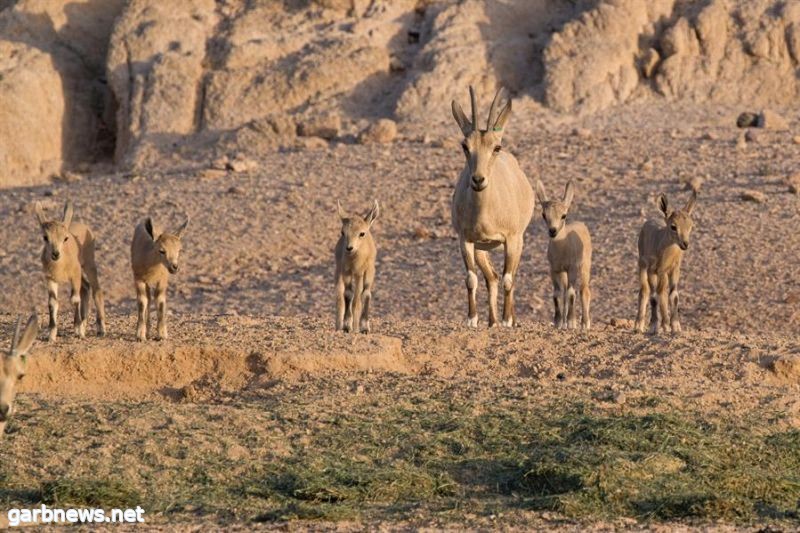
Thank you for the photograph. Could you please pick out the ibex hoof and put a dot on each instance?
(52, 336)
(586, 326)
(472, 322)
(346, 328)
(676, 327)
(508, 323)
(639, 327)
(365, 327)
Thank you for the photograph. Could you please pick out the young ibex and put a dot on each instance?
(154, 256)
(355, 270)
(13, 368)
(68, 257)
(570, 257)
(661, 247)
(492, 205)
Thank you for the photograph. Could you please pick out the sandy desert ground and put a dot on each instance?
(254, 385)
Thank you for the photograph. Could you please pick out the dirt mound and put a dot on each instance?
(213, 356)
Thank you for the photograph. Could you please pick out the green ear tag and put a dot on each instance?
(497, 129)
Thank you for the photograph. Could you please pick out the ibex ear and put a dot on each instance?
(28, 336)
(148, 227)
(569, 193)
(502, 118)
(690, 204)
(663, 205)
(540, 192)
(68, 213)
(340, 211)
(373, 213)
(37, 208)
(182, 228)
(461, 119)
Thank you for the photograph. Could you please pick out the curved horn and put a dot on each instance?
(493, 110)
(474, 101)
(15, 339)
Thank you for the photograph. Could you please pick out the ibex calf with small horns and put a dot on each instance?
(355, 270)
(68, 257)
(12, 368)
(570, 255)
(493, 203)
(154, 256)
(661, 247)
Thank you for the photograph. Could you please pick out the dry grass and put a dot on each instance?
(402, 451)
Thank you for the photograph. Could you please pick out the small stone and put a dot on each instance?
(312, 143)
(771, 120)
(242, 164)
(68, 177)
(235, 190)
(582, 133)
(710, 136)
(326, 126)
(421, 232)
(212, 174)
(561, 376)
(753, 196)
(747, 120)
(220, 163)
(792, 298)
(753, 136)
(647, 165)
(796, 139)
(694, 184)
(383, 131)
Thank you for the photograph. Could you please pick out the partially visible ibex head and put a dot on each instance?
(54, 232)
(679, 222)
(13, 365)
(482, 146)
(555, 212)
(356, 227)
(167, 243)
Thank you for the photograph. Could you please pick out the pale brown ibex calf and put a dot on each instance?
(570, 255)
(661, 247)
(355, 270)
(68, 257)
(154, 256)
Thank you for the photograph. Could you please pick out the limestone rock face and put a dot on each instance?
(52, 87)
(155, 69)
(154, 82)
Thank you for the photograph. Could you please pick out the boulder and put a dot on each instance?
(52, 95)
(383, 131)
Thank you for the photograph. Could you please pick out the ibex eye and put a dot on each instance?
(361, 234)
(162, 252)
(563, 217)
(497, 149)
(674, 227)
(465, 147)
(66, 239)
(45, 238)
